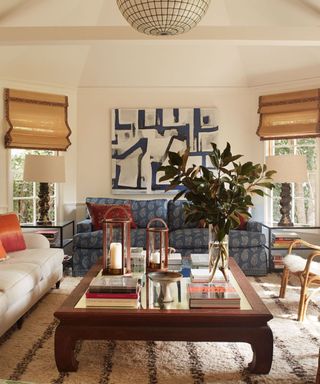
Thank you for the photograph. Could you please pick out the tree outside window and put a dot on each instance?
(304, 196)
(25, 194)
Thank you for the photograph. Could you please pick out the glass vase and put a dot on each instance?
(218, 254)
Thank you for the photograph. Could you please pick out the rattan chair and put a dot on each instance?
(307, 270)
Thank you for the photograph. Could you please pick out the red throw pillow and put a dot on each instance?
(243, 222)
(3, 253)
(10, 233)
(100, 212)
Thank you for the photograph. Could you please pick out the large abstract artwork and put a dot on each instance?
(142, 138)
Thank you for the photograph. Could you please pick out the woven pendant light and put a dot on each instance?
(163, 17)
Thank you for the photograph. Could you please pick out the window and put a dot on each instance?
(304, 197)
(25, 194)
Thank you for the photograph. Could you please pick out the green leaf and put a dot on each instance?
(258, 192)
(175, 159)
(179, 194)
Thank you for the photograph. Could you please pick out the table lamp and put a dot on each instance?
(45, 170)
(290, 169)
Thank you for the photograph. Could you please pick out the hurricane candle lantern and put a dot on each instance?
(116, 246)
(157, 245)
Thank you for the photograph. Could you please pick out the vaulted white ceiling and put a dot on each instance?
(87, 43)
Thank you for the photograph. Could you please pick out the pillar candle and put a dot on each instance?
(115, 255)
(155, 257)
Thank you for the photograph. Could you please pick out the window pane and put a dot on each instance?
(22, 189)
(276, 210)
(24, 208)
(283, 150)
(309, 141)
(310, 153)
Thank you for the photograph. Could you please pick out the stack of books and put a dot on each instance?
(200, 260)
(138, 260)
(202, 275)
(113, 291)
(221, 295)
(174, 261)
(51, 235)
(278, 261)
(283, 239)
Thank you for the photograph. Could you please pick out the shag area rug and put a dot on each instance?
(28, 354)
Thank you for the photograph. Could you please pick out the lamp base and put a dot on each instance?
(44, 204)
(285, 204)
(41, 222)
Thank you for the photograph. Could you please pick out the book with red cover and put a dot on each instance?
(213, 295)
(96, 295)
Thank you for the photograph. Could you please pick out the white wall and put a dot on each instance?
(67, 190)
(237, 118)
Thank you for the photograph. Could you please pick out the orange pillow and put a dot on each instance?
(100, 212)
(10, 233)
(3, 253)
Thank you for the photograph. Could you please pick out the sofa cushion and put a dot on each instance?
(142, 210)
(138, 237)
(100, 212)
(145, 210)
(246, 239)
(3, 253)
(189, 238)
(18, 278)
(3, 302)
(88, 240)
(176, 216)
(10, 233)
(105, 200)
(48, 260)
(93, 240)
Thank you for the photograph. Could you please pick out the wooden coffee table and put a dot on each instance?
(174, 323)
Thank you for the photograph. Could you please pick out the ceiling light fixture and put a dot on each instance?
(163, 17)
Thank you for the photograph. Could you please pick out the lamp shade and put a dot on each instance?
(44, 169)
(290, 168)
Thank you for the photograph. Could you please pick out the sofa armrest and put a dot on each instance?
(84, 226)
(35, 240)
(254, 226)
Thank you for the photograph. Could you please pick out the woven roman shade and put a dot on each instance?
(289, 115)
(36, 120)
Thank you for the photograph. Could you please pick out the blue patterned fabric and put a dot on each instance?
(246, 239)
(83, 259)
(176, 216)
(247, 247)
(253, 261)
(189, 238)
(84, 226)
(145, 210)
(254, 226)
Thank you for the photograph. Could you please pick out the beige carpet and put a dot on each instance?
(27, 354)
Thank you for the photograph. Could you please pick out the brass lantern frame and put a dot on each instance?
(108, 227)
(162, 234)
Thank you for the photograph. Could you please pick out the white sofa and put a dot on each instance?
(26, 276)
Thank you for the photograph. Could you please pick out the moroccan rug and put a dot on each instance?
(28, 354)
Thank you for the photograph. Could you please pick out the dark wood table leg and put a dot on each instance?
(262, 348)
(64, 346)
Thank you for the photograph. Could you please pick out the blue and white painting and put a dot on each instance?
(142, 138)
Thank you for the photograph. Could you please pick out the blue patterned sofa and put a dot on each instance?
(247, 247)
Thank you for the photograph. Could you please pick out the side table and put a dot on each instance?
(64, 232)
(269, 228)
